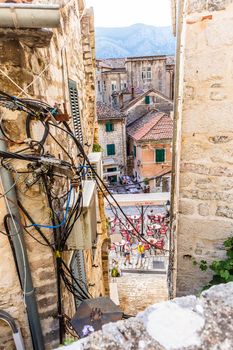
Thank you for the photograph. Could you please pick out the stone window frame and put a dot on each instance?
(146, 73)
(113, 85)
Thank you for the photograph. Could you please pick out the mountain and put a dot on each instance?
(136, 40)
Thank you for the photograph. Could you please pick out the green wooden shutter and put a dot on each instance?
(160, 155)
(109, 127)
(75, 110)
(147, 100)
(134, 151)
(77, 267)
(111, 149)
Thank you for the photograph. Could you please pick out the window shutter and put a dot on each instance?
(110, 150)
(109, 127)
(160, 155)
(134, 151)
(75, 110)
(77, 267)
(147, 100)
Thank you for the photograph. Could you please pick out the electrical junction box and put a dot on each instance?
(95, 158)
(84, 232)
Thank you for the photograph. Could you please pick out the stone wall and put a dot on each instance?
(43, 70)
(139, 290)
(158, 73)
(117, 137)
(188, 323)
(203, 183)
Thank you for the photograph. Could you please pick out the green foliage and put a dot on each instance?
(222, 269)
(96, 148)
(68, 341)
(146, 181)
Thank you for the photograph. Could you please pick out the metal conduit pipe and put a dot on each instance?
(29, 16)
(15, 330)
(21, 255)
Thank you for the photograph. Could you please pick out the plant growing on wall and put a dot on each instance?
(146, 181)
(96, 148)
(223, 269)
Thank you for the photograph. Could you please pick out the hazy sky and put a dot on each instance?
(119, 13)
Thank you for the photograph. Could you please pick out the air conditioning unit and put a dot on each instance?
(95, 159)
(84, 232)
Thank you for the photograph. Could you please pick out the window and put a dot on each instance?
(105, 88)
(160, 155)
(147, 100)
(99, 86)
(110, 170)
(114, 86)
(146, 73)
(74, 102)
(134, 151)
(109, 127)
(111, 149)
(123, 84)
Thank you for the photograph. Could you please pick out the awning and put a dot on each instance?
(109, 161)
(139, 199)
(112, 173)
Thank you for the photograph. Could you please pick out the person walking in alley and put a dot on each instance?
(140, 255)
(127, 251)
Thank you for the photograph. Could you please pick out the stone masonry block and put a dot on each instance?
(203, 209)
(186, 207)
(208, 229)
(225, 211)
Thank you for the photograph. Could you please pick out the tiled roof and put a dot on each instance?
(141, 97)
(105, 112)
(114, 62)
(152, 126)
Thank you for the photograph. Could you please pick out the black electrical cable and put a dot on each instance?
(7, 229)
(51, 245)
(79, 146)
(88, 295)
(28, 129)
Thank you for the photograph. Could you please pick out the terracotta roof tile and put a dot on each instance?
(152, 126)
(105, 112)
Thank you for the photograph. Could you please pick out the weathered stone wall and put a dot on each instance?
(204, 184)
(106, 79)
(188, 323)
(158, 71)
(70, 55)
(117, 137)
(139, 290)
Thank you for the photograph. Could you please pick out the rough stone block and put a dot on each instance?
(225, 211)
(186, 207)
(203, 209)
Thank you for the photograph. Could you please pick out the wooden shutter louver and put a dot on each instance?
(77, 267)
(75, 110)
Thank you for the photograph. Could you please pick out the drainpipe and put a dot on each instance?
(21, 255)
(18, 340)
(172, 241)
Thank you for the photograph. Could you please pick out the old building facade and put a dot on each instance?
(56, 66)
(149, 146)
(112, 136)
(131, 76)
(202, 173)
